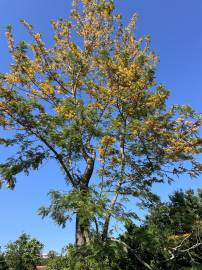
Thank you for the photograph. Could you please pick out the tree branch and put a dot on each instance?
(117, 192)
(89, 170)
(127, 247)
(50, 147)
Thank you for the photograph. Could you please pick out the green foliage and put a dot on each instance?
(95, 256)
(24, 253)
(171, 236)
(58, 263)
(3, 264)
(89, 205)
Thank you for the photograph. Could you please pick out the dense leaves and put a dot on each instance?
(24, 253)
(171, 236)
(3, 264)
(58, 262)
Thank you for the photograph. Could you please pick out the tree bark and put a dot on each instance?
(82, 225)
(82, 237)
(82, 232)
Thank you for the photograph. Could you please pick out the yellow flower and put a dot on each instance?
(107, 140)
(12, 78)
(102, 152)
(86, 2)
(47, 88)
(58, 109)
(37, 36)
(70, 115)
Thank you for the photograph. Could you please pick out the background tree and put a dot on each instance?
(24, 253)
(95, 107)
(169, 238)
(3, 264)
(55, 261)
(58, 263)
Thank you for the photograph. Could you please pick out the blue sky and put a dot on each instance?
(175, 29)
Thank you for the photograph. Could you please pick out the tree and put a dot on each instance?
(3, 264)
(24, 253)
(95, 107)
(180, 224)
(169, 238)
(57, 262)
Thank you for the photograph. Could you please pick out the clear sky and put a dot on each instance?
(176, 32)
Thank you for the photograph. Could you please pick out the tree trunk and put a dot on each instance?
(82, 240)
(82, 224)
(82, 232)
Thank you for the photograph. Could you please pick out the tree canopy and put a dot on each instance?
(24, 253)
(92, 103)
(170, 237)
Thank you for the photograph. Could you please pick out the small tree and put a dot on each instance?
(94, 107)
(24, 253)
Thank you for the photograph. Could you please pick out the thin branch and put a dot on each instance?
(50, 147)
(96, 226)
(117, 191)
(182, 242)
(192, 247)
(58, 157)
(127, 247)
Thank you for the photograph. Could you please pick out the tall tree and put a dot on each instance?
(94, 107)
(24, 253)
